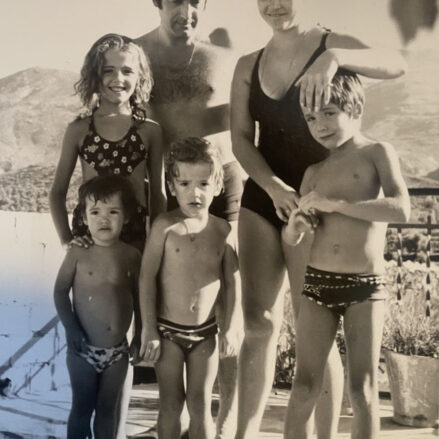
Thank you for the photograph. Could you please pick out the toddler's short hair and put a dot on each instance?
(346, 90)
(194, 150)
(100, 188)
(89, 83)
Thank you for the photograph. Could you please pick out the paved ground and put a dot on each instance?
(37, 416)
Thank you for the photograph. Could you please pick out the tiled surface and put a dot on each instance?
(38, 416)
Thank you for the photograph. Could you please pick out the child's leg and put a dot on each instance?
(111, 382)
(363, 327)
(315, 335)
(328, 405)
(83, 379)
(169, 371)
(202, 366)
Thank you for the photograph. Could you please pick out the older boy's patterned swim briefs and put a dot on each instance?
(338, 291)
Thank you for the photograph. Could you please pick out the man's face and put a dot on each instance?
(179, 18)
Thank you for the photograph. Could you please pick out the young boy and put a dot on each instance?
(104, 280)
(353, 194)
(187, 263)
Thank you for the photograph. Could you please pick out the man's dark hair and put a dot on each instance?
(101, 188)
(158, 3)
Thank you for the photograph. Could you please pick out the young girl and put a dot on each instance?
(116, 138)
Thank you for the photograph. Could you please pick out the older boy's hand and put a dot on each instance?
(150, 346)
(229, 343)
(314, 201)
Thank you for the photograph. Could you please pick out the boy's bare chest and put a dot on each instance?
(349, 178)
(194, 251)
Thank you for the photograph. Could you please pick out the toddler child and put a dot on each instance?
(103, 280)
(188, 262)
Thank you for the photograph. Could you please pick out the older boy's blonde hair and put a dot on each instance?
(194, 150)
(89, 84)
(347, 90)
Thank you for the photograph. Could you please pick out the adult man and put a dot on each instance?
(190, 97)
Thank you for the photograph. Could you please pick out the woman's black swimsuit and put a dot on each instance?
(114, 157)
(284, 140)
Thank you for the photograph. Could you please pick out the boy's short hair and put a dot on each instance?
(346, 90)
(101, 188)
(158, 3)
(194, 150)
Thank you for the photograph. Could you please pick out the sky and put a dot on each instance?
(58, 33)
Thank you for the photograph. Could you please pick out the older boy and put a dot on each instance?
(353, 193)
(187, 264)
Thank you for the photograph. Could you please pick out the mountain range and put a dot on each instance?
(37, 104)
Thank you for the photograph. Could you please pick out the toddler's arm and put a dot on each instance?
(74, 334)
(394, 207)
(229, 339)
(155, 167)
(61, 182)
(151, 261)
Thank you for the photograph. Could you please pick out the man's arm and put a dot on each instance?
(394, 207)
(74, 334)
(229, 340)
(149, 271)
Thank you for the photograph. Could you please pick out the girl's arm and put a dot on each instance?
(63, 174)
(394, 207)
(74, 334)
(149, 271)
(351, 54)
(156, 173)
(230, 338)
(243, 137)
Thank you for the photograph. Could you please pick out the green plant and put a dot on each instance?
(407, 329)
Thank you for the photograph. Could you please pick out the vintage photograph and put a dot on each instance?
(219, 219)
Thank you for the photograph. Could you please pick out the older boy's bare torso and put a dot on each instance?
(191, 271)
(103, 292)
(341, 243)
(194, 99)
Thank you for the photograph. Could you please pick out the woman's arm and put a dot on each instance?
(60, 186)
(230, 333)
(243, 134)
(155, 168)
(351, 54)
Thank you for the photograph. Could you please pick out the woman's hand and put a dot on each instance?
(285, 200)
(315, 84)
(79, 241)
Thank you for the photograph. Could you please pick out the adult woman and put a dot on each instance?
(296, 67)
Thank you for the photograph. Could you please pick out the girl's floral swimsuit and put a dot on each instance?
(107, 158)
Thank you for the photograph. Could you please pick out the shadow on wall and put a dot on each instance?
(413, 15)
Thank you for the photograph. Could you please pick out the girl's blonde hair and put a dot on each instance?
(88, 86)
